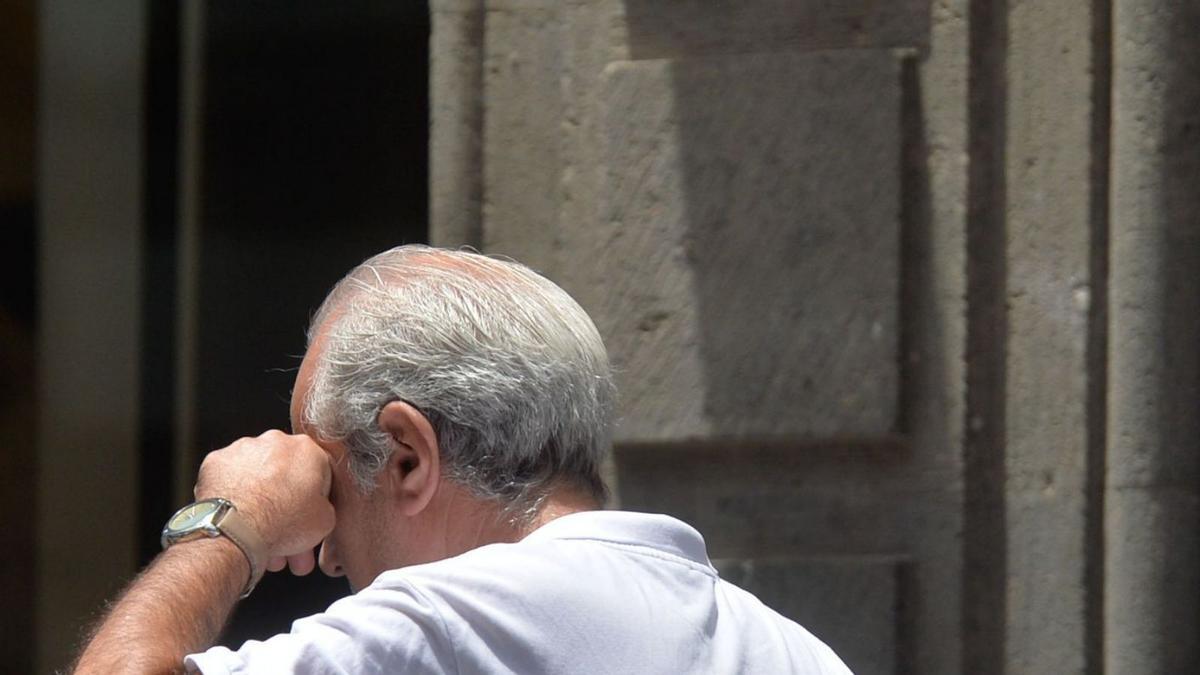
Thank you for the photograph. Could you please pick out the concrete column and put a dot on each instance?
(89, 202)
(1049, 155)
(933, 312)
(456, 122)
(1152, 541)
(523, 58)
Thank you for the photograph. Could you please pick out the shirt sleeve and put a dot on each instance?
(393, 629)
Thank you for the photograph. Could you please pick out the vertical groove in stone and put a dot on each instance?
(456, 122)
(933, 306)
(914, 235)
(915, 242)
(1097, 345)
(984, 529)
(1152, 506)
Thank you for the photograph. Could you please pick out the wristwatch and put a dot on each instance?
(213, 518)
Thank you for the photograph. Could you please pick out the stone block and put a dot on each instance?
(753, 500)
(1154, 589)
(455, 122)
(522, 65)
(745, 256)
(851, 604)
(681, 28)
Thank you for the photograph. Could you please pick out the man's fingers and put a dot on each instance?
(302, 563)
(281, 483)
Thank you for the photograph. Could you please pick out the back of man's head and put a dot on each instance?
(508, 368)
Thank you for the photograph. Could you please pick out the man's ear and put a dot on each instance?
(414, 469)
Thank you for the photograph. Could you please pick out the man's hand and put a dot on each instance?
(280, 483)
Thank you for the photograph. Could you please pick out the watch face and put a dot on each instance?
(192, 515)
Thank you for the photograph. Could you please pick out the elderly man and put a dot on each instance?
(449, 420)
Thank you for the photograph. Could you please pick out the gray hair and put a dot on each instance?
(508, 368)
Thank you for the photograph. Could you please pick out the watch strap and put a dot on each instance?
(240, 532)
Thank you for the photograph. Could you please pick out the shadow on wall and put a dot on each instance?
(788, 181)
(315, 149)
(1180, 423)
(18, 76)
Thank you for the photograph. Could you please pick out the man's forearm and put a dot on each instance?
(176, 607)
(280, 484)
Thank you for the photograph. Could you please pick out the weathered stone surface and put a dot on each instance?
(1050, 156)
(1152, 497)
(933, 311)
(751, 501)
(738, 229)
(521, 167)
(756, 500)
(851, 604)
(456, 122)
(779, 501)
(1151, 584)
(680, 28)
(641, 272)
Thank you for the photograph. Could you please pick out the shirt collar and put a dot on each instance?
(651, 530)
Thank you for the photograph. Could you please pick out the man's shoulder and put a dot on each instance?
(478, 569)
(562, 597)
(553, 560)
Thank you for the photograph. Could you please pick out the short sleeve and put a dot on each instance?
(393, 629)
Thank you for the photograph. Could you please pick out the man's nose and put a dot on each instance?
(328, 560)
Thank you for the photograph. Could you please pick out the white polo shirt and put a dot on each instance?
(592, 592)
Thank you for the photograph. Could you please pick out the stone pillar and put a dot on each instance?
(1049, 194)
(934, 328)
(524, 55)
(456, 122)
(1152, 542)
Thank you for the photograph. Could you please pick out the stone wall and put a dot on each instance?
(903, 297)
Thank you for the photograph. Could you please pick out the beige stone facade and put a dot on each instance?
(903, 297)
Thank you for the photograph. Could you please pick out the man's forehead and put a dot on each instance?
(299, 400)
(302, 387)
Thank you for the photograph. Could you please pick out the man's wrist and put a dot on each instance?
(219, 518)
(245, 535)
(222, 561)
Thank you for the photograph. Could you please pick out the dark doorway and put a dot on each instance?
(18, 332)
(313, 146)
